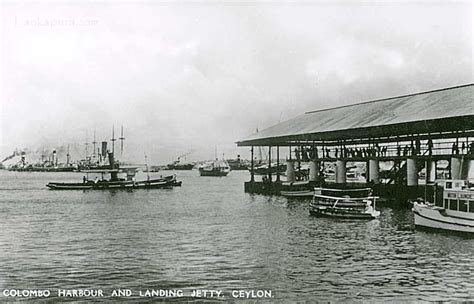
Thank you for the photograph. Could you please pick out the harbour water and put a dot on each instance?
(209, 234)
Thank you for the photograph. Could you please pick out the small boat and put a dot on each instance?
(216, 168)
(344, 203)
(455, 212)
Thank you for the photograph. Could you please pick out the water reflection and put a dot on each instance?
(209, 234)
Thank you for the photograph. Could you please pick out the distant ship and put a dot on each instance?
(216, 168)
(49, 165)
(178, 165)
(238, 164)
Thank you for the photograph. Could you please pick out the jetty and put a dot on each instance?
(430, 132)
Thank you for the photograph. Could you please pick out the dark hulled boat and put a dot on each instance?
(104, 184)
(116, 182)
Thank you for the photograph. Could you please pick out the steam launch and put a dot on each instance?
(101, 176)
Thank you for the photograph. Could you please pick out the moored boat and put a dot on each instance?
(303, 189)
(344, 203)
(455, 212)
(216, 168)
(116, 182)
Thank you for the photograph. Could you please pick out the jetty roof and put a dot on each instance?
(431, 113)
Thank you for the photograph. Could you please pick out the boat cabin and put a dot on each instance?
(122, 174)
(457, 196)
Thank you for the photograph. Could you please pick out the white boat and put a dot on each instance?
(216, 168)
(454, 213)
(344, 203)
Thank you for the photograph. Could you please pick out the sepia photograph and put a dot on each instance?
(274, 151)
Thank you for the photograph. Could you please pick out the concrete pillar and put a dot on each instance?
(430, 171)
(456, 167)
(340, 171)
(374, 171)
(313, 171)
(470, 169)
(412, 172)
(290, 170)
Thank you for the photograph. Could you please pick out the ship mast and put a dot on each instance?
(113, 139)
(146, 166)
(87, 144)
(121, 141)
(93, 143)
(67, 156)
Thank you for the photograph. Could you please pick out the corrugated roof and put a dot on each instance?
(403, 110)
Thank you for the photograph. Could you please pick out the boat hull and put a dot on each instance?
(437, 218)
(213, 173)
(298, 194)
(346, 213)
(146, 184)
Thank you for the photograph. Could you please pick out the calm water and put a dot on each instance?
(209, 234)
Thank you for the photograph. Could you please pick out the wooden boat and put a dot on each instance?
(344, 203)
(455, 212)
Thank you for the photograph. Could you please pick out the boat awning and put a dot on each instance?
(432, 113)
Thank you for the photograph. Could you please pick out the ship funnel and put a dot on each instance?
(111, 160)
(55, 158)
(104, 149)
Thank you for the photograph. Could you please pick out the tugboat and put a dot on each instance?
(454, 213)
(216, 168)
(344, 203)
(116, 181)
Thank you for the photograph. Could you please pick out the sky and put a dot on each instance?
(197, 76)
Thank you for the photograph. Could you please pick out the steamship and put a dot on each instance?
(115, 177)
(49, 165)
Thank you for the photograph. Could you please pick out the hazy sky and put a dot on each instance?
(191, 76)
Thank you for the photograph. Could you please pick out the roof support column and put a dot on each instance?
(412, 172)
(430, 169)
(373, 172)
(456, 167)
(290, 170)
(270, 163)
(278, 164)
(461, 167)
(314, 171)
(341, 171)
(252, 174)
